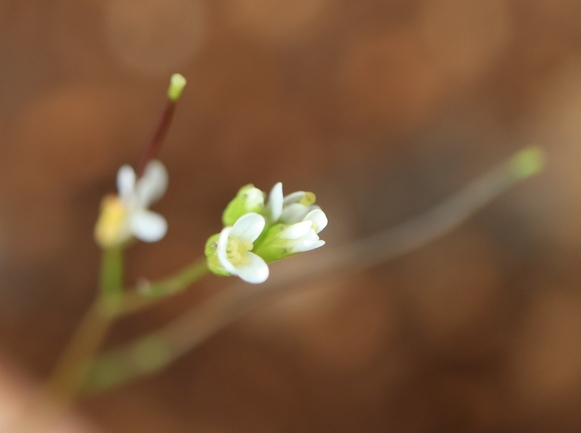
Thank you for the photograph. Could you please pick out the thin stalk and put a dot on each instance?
(148, 294)
(70, 372)
(158, 136)
(111, 281)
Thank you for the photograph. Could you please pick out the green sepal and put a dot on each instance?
(248, 199)
(272, 247)
(211, 252)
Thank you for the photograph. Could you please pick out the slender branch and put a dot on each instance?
(69, 374)
(112, 272)
(177, 83)
(70, 371)
(152, 352)
(160, 132)
(149, 294)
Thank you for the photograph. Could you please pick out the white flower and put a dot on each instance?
(317, 218)
(235, 245)
(283, 227)
(301, 237)
(294, 221)
(127, 214)
(296, 207)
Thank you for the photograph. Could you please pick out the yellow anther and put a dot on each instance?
(308, 199)
(237, 249)
(109, 229)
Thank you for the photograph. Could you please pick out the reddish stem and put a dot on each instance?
(160, 132)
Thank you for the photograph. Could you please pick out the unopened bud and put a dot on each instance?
(176, 87)
(248, 199)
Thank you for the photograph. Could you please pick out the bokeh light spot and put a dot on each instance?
(463, 37)
(155, 36)
(275, 21)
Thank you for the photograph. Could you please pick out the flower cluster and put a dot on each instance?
(257, 233)
(126, 215)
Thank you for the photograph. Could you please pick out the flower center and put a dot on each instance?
(237, 251)
(110, 225)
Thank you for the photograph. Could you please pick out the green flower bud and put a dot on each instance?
(283, 241)
(249, 199)
(176, 87)
(212, 256)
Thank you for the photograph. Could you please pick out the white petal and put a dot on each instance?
(153, 184)
(310, 236)
(318, 218)
(248, 227)
(254, 198)
(221, 251)
(295, 197)
(148, 226)
(294, 213)
(275, 203)
(297, 230)
(303, 246)
(125, 182)
(255, 271)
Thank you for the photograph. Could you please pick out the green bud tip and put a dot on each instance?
(528, 162)
(176, 87)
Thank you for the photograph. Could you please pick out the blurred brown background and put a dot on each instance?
(383, 108)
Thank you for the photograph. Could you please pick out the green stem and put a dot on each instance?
(179, 282)
(149, 293)
(112, 272)
(70, 372)
(72, 369)
(145, 356)
(150, 353)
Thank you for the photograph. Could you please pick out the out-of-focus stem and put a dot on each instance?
(70, 371)
(152, 352)
(160, 132)
(68, 376)
(150, 293)
(111, 283)
(176, 87)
